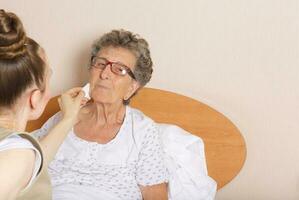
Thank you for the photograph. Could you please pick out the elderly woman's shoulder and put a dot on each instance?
(139, 116)
(142, 121)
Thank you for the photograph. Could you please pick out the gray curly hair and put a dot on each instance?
(138, 46)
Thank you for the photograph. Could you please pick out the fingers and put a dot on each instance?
(79, 97)
(84, 101)
(76, 94)
(71, 102)
(74, 91)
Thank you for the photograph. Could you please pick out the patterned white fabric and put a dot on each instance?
(113, 170)
(17, 142)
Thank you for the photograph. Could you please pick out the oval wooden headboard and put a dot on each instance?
(224, 145)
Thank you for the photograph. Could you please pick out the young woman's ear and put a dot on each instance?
(35, 98)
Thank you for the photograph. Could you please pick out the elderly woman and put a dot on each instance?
(114, 151)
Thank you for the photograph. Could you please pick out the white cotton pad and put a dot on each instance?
(86, 90)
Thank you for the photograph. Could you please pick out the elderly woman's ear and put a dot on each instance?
(132, 89)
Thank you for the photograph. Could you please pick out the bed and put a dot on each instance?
(224, 145)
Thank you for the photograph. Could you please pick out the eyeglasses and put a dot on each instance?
(116, 67)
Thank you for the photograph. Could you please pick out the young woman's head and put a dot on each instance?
(24, 73)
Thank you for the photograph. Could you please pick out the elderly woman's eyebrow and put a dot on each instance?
(113, 61)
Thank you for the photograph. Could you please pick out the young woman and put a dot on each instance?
(24, 92)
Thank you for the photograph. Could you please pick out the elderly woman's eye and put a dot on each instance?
(101, 65)
(119, 70)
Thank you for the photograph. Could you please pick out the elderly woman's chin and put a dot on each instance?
(101, 97)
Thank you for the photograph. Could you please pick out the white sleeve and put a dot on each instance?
(44, 130)
(151, 168)
(17, 142)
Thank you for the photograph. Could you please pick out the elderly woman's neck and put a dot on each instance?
(109, 113)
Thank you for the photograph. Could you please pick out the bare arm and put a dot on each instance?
(16, 170)
(154, 192)
(51, 142)
(70, 103)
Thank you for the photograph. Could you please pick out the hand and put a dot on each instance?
(70, 103)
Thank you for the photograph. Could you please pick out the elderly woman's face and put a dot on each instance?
(107, 86)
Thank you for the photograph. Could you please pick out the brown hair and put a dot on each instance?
(20, 63)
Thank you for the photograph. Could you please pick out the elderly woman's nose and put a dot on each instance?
(106, 72)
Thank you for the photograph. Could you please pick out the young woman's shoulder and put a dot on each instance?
(20, 164)
(16, 169)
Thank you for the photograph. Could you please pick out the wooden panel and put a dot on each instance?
(224, 145)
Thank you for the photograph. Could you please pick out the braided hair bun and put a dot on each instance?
(12, 36)
(21, 63)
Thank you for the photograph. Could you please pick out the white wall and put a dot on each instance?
(240, 57)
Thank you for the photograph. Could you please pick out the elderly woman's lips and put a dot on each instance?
(102, 86)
